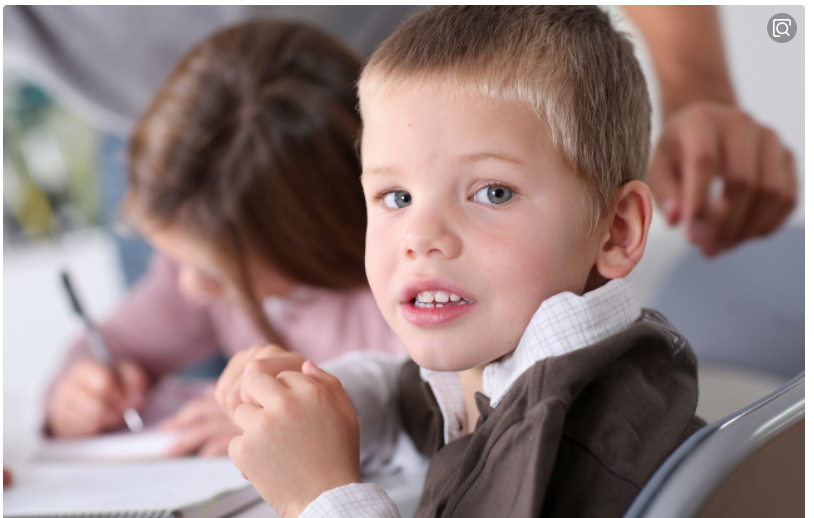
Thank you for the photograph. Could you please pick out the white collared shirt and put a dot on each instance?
(562, 324)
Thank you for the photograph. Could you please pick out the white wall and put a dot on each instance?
(37, 322)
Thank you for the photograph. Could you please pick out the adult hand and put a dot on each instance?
(205, 428)
(300, 437)
(704, 141)
(91, 397)
(271, 359)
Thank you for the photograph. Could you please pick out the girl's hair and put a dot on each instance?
(250, 147)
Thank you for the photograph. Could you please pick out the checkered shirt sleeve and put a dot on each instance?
(352, 501)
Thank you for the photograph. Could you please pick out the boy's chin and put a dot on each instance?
(434, 359)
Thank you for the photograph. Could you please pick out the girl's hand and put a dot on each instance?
(300, 437)
(91, 398)
(271, 359)
(205, 428)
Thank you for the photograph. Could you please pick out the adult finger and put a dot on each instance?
(663, 179)
(778, 195)
(700, 160)
(741, 138)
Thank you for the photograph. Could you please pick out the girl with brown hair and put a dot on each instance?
(244, 176)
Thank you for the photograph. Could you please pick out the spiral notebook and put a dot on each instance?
(188, 487)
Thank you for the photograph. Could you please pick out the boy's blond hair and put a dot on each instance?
(565, 63)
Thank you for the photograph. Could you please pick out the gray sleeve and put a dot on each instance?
(106, 62)
(371, 381)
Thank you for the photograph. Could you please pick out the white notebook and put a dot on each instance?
(151, 444)
(120, 446)
(189, 487)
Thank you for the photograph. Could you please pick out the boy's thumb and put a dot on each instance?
(309, 368)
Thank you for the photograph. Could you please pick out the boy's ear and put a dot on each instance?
(623, 243)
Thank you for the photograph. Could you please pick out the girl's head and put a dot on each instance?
(243, 168)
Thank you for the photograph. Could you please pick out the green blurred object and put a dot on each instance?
(50, 174)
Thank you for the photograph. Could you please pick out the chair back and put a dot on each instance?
(749, 464)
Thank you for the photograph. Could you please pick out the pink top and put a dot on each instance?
(161, 330)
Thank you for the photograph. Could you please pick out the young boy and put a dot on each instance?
(503, 151)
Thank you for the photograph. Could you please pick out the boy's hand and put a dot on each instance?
(300, 437)
(206, 428)
(91, 398)
(271, 359)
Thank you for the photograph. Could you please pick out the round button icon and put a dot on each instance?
(781, 28)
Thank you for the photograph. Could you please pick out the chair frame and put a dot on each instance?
(689, 478)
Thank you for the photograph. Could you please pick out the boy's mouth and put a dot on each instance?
(438, 299)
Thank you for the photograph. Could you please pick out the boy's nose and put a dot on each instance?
(430, 233)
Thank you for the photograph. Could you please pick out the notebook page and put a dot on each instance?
(151, 444)
(56, 488)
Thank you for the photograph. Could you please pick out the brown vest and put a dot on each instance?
(577, 435)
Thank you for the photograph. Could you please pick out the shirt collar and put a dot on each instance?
(563, 323)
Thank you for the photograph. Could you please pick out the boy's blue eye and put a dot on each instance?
(398, 199)
(494, 195)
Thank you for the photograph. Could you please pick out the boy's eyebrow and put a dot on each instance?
(489, 155)
(467, 158)
(376, 171)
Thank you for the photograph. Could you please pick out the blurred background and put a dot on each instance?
(742, 312)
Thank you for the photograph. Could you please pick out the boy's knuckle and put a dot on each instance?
(235, 450)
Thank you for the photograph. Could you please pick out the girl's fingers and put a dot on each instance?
(217, 445)
(198, 410)
(134, 382)
(194, 438)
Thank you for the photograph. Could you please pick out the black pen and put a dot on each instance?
(98, 347)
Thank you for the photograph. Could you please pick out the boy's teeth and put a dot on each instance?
(440, 297)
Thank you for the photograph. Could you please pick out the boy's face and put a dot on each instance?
(470, 202)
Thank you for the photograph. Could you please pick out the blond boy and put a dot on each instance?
(503, 153)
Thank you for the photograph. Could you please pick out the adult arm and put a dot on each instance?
(706, 135)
